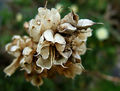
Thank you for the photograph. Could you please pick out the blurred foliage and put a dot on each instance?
(102, 57)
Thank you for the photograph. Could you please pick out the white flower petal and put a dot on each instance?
(27, 51)
(85, 23)
(45, 52)
(48, 34)
(55, 18)
(59, 39)
(44, 64)
(16, 37)
(60, 61)
(60, 47)
(71, 18)
(9, 70)
(14, 48)
(42, 45)
(66, 28)
(67, 53)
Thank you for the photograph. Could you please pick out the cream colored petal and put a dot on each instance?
(16, 37)
(45, 17)
(9, 70)
(60, 47)
(43, 12)
(76, 55)
(34, 30)
(59, 39)
(60, 61)
(89, 32)
(25, 63)
(67, 53)
(25, 66)
(81, 37)
(48, 34)
(71, 18)
(45, 52)
(26, 59)
(39, 69)
(66, 28)
(14, 48)
(41, 39)
(82, 49)
(26, 51)
(28, 68)
(42, 45)
(16, 53)
(85, 23)
(55, 18)
(44, 64)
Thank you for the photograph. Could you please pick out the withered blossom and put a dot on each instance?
(54, 46)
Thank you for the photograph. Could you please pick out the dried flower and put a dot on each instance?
(54, 45)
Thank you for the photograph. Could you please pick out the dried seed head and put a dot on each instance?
(54, 45)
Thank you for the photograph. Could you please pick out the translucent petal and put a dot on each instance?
(48, 34)
(9, 70)
(45, 64)
(27, 51)
(59, 39)
(85, 23)
(66, 28)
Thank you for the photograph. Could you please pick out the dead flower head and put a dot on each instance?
(53, 45)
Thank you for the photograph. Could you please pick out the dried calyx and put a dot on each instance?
(54, 46)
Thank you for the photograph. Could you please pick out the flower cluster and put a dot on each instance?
(54, 46)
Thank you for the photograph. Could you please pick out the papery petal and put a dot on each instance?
(59, 39)
(60, 47)
(48, 34)
(9, 70)
(60, 61)
(16, 37)
(45, 16)
(71, 18)
(34, 30)
(25, 66)
(13, 49)
(44, 64)
(82, 49)
(45, 52)
(42, 45)
(76, 55)
(67, 53)
(26, 51)
(85, 23)
(38, 69)
(89, 32)
(66, 28)
(55, 18)
(26, 60)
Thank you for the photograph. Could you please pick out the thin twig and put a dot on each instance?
(103, 76)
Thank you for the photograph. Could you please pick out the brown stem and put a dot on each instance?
(103, 76)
